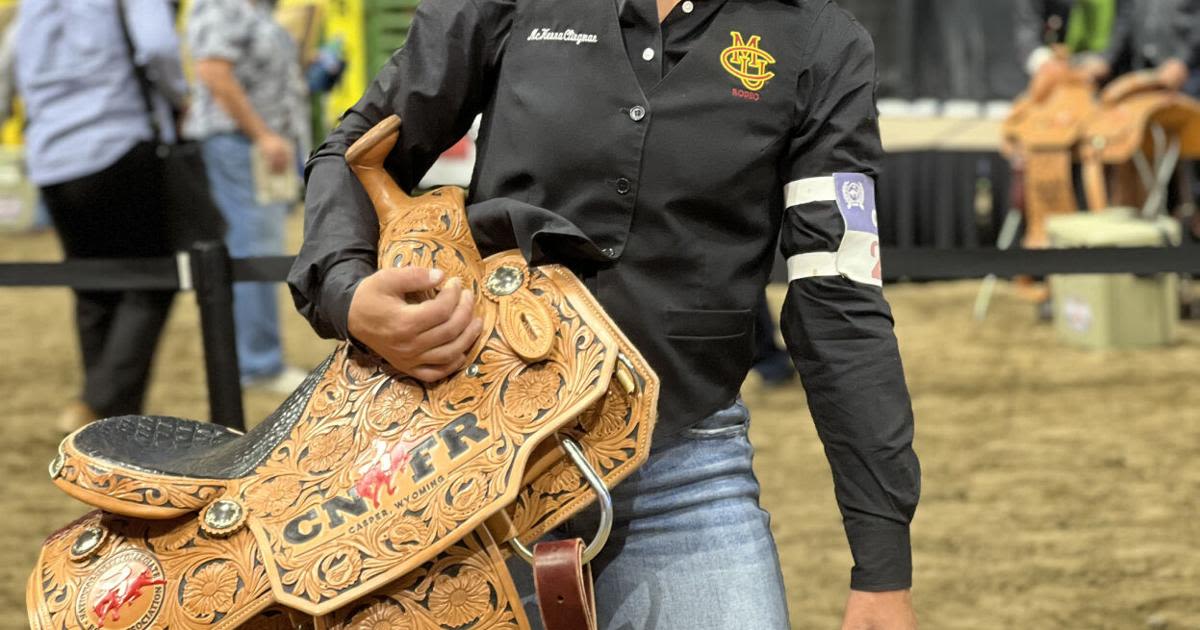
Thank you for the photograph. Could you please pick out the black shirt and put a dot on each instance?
(684, 152)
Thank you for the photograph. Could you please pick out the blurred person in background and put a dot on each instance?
(90, 149)
(1160, 35)
(250, 97)
(1083, 27)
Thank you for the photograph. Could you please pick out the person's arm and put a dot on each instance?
(1030, 23)
(1118, 43)
(1185, 54)
(1190, 51)
(437, 84)
(156, 47)
(217, 75)
(837, 324)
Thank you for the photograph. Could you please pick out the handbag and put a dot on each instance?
(191, 214)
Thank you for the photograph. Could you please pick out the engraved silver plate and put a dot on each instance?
(505, 281)
(87, 543)
(223, 517)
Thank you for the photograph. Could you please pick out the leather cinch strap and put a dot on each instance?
(564, 586)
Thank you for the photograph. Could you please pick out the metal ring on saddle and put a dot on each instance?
(603, 498)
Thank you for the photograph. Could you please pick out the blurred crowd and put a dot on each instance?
(117, 138)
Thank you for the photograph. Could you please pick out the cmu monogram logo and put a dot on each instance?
(746, 61)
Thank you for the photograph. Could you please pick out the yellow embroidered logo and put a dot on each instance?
(746, 61)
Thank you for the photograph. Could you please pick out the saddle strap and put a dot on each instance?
(564, 586)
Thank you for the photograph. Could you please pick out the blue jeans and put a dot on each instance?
(690, 548)
(254, 230)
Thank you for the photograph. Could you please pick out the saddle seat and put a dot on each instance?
(160, 467)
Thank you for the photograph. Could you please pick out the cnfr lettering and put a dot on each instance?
(465, 428)
(299, 530)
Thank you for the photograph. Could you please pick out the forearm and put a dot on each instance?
(339, 250)
(217, 75)
(841, 339)
(436, 84)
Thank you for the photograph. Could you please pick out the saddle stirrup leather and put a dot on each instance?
(369, 499)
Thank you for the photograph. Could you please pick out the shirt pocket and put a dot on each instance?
(714, 348)
(689, 324)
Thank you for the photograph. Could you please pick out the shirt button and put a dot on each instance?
(688, 6)
(610, 252)
(624, 186)
(648, 54)
(637, 113)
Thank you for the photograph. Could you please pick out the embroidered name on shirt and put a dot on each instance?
(747, 62)
(569, 36)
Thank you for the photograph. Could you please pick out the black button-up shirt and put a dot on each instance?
(685, 151)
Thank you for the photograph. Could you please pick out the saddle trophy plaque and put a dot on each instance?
(368, 499)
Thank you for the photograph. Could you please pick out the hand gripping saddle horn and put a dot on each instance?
(368, 499)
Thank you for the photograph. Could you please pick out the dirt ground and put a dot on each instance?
(1060, 486)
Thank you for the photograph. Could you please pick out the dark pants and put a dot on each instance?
(116, 213)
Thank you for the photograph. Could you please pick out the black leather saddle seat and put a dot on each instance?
(189, 449)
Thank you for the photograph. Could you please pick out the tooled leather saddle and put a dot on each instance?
(369, 499)
(1132, 144)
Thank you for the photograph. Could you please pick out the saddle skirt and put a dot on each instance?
(368, 497)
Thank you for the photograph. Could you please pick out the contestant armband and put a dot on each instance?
(857, 256)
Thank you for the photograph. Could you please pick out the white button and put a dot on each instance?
(688, 6)
(648, 54)
(637, 113)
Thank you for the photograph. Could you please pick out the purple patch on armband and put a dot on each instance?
(856, 200)
(858, 255)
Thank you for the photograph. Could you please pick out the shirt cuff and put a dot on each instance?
(882, 557)
(337, 290)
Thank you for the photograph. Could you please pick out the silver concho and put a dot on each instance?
(223, 517)
(87, 543)
(56, 466)
(505, 281)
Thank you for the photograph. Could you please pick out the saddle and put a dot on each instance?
(1041, 135)
(369, 499)
(1134, 141)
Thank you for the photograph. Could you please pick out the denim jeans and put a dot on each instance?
(690, 548)
(254, 230)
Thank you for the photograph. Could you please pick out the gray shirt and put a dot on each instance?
(82, 101)
(265, 62)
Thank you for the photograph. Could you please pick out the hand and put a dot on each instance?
(892, 610)
(1173, 73)
(428, 340)
(277, 150)
(1095, 67)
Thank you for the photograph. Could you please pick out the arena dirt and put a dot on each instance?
(1060, 486)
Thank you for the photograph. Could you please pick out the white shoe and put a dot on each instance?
(284, 382)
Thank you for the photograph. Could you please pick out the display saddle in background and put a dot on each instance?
(367, 499)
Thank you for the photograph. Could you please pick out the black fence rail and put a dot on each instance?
(208, 270)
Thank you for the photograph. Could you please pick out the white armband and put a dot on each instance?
(857, 256)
